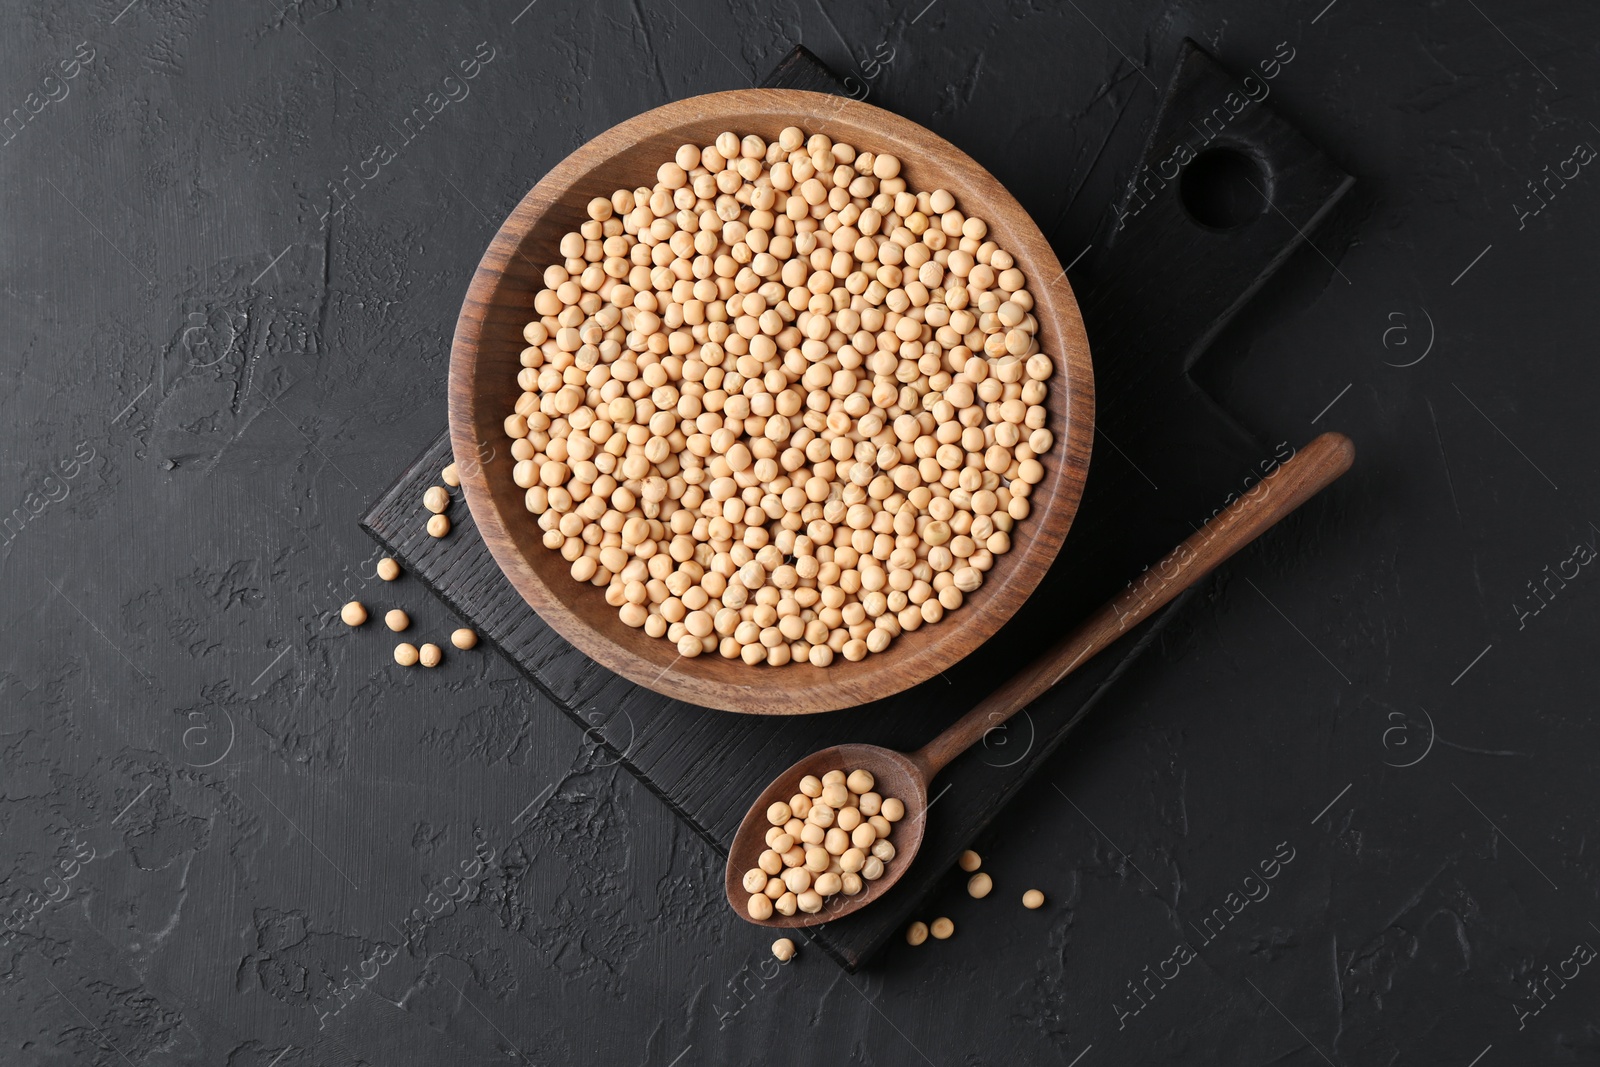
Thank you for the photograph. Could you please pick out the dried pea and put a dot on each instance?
(657, 420)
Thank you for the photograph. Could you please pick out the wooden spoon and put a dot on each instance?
(907, 776)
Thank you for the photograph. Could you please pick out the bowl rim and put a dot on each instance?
(804, 689)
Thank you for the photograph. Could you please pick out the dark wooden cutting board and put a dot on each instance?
(1156, 289)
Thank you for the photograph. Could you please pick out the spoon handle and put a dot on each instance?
(1306, 473)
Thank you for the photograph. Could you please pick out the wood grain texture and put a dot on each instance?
(485, 361)
(706, 766)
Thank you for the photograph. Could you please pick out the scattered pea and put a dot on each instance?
(916, 933)
(353, 613)
(941, 928)
(464, 638)
(397, 620)
(783, 948)
(388, 569)
(405, 654)
(438, 525)
(970, 861)
(979, 885)
(450, 475)
(1033, 899)
(436, 499)
(430, 655)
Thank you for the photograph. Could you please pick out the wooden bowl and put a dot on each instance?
(484, 362)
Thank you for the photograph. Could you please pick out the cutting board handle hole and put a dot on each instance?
(1223, 188)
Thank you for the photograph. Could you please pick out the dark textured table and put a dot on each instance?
(1339, 814)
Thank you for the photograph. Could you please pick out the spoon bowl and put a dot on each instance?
(898, 775)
